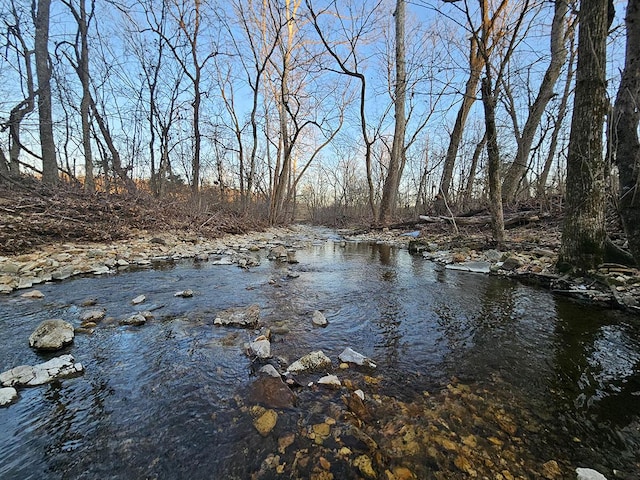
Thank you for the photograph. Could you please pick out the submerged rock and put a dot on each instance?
(30, 376)
(52, 334)
(240, 317)
(310, 361)
(7, 396)
(349, 355)
(266, 422)
(271, 392)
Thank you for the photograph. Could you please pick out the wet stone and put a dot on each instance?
(52, 334)
(7, 396)
(239, 317)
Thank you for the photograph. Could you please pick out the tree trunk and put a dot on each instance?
(85, 103)
(476, 62)
(626, 116)
(583, 231)
(468, 191)
(396, 162)
(493, 152)
(558, 56)
(43, 73)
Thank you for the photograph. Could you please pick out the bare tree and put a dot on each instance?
(518, 168)
(43, 73)
(396, 161)
(626, 118)
(583, 233)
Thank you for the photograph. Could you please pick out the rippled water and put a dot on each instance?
(164, 400)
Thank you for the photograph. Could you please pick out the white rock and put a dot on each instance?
(360, 393)
(136, 319)
(260, 347)
(331, 380)
(351, 356)
(25, 375)
(100, 270)
(92, 315)
(52, 335)
(310, 361)
(7, 396)
(319, 319)
(139, 299)
(247, 317)
(589, 474)
(184, 293)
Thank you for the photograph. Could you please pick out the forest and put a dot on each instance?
(334, 111)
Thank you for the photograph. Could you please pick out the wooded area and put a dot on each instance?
(334, 111)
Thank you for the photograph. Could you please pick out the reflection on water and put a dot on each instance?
(168, 400)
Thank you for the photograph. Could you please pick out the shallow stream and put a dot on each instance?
(530, 376)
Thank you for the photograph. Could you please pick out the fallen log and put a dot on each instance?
(523, 217)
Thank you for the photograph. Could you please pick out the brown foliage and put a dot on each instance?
(33, 214)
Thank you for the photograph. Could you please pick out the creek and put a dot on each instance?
(170, 399)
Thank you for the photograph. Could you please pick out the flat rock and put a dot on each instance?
(33, 294)
(92, 315)
(138, 300)
(310, 361)
(246, 317)
(349, 355)
(30, 376)
(52, 335)
(475, 267)
(266, 422)
(135, 320)
(7, 396)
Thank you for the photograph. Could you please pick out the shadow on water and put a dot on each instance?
(169, 399)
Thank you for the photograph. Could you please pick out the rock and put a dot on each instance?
(330, 380)
(511, 263)
(589, 474)
(278, 252)
(270, 370)
(354, 403)
(25, 375)
(319, 319)
(349, 355)
(266, 422)
(310, 361)
(492, 255)
(92, 315)
(184, 294)
(52, 335)
(7, 396)
(239, 317)
(551, 470)
(135, 320)
(474, 267)
(33, 294)
(260, 347)
(363, 463)
(138, 300)
(271, 392)
(360, 394)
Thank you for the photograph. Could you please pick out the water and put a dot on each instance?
(170, 399)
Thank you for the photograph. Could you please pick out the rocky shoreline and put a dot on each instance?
(612, 285)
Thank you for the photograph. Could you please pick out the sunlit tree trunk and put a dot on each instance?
(583, 233)
(396, 161)
(626, 117)
(43, 73)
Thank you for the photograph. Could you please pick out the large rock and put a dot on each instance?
(311, 361)
(239, 317)
(52, 335)
(7, 396)
(30, 376)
